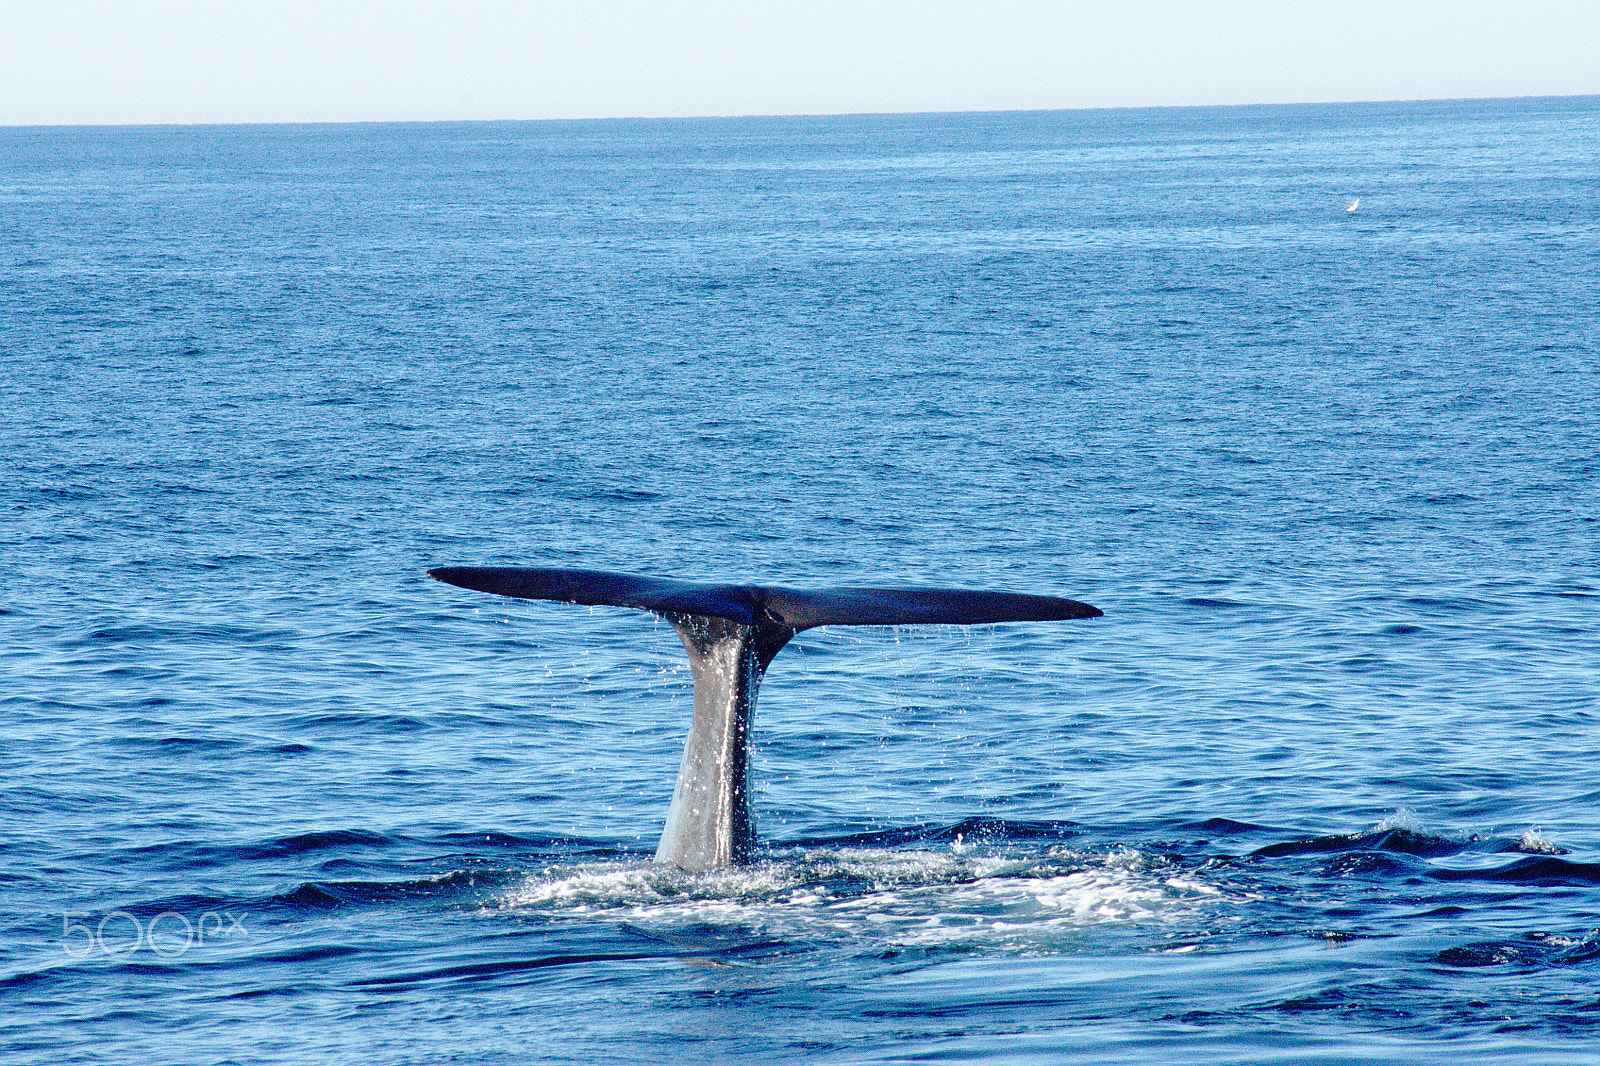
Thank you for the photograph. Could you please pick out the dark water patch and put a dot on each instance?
(481, 971)
(285, 992)
(310, 843)
(1366, 863)
(69, 494)
(1532, 951)
(497, 839)
(1406, 841)
(1362, 999)
(28, 978)
(458, 884)
(1542, 870)
(1455, 604)
(618, 495)
(189, 905)
(365, 721)
(181, 632)
(176, 745)
(1574, 592)
(1494, 954)
(306, 953)
(198, 855)
(311, 897)
(977, 831)
(186, 489)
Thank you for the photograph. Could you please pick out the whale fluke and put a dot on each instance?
(732, 633)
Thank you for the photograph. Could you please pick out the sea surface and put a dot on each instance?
(1323, 784)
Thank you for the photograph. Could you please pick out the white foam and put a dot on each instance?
(900, 898)
(1535, 842)
(1404, 818)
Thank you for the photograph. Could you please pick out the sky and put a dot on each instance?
(191, 61)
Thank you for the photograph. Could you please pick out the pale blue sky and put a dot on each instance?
(135, 61)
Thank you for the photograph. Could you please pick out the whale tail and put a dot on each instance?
(732, 633)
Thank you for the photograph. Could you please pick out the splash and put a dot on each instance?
(1404, 819)
(891, 898)
(1534, 842)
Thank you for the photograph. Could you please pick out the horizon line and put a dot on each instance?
(796, 114)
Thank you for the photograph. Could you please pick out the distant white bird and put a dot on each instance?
(1351, 205)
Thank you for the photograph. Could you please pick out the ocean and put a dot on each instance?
(1322, 785)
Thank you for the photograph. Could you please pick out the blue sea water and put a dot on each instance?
(1323, 785)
